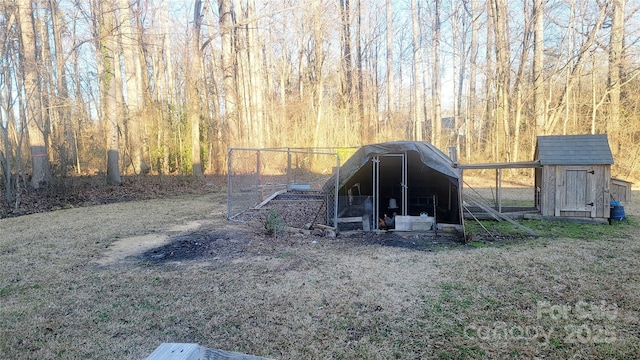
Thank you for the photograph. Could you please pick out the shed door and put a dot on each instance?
(576, 190)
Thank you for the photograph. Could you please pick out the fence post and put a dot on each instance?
(289, 181)
(258, 185)
(229, 183)
(335, 201)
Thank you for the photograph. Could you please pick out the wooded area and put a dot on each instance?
(157, 86)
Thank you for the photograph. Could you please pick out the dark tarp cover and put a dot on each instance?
(429, 154)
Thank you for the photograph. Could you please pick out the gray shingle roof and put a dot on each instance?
(574, 150)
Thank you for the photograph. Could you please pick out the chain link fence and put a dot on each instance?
(258, 176)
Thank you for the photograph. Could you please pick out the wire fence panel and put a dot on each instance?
(257, 176)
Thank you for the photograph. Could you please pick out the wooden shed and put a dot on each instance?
(621, 190)
(574, 176)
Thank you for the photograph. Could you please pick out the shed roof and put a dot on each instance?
(574, 150)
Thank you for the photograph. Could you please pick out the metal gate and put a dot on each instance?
(377, 198)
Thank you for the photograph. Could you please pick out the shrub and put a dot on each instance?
(274, 223)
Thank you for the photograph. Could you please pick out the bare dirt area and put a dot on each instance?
(113, 281)
(204, 241)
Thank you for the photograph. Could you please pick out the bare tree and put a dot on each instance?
(502, 139)
(520, 87)
(471, 7)
(128, 38)
(252, 74)
(553, 114)
(488, 115)
(33, 115)
(194, 79)
(165, 92)
(345, 42)
(308, 73)
(107, 55)
(417, 116)
(460, 27)
(436, 78)
(366, 126)
(538, 67)
(227, 61)
(316, 62)
(61, 100)
(615, 71)
(6, 107)
(390, 82)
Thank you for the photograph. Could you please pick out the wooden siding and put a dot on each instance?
(604, 184)
(620, 190)
(538, 189)
(575, 191)
(548, 191)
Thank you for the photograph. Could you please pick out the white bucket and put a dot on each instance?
(393, 204)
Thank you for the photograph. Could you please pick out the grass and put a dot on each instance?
(518, 203)
(557, 229)
(287, 297)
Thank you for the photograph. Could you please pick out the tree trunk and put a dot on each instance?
(80, 110)
(318, 79)
(345, 41)
(499, 14)
(470, 122)
(107, 58)
(538, 68)
(417, 120)
(169, 94)
(459, 52)
(193, 80)
(520, 87)
(133, 82)
(615, 72)
(390, 82)
(486, 121)
(40, 166)
(367, 134)
(257, 80)
(227, 61)
(436, 91)
(62, 103)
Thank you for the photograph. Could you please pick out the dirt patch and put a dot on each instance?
(131, 246)
(215, 245)
(134, 245)
(222, 246)
(294, 213)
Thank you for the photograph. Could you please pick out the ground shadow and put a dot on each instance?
(421, 241)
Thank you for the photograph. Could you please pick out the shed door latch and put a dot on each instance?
(591, 172)
(590, 204)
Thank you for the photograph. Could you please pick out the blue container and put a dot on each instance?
(617, 213)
